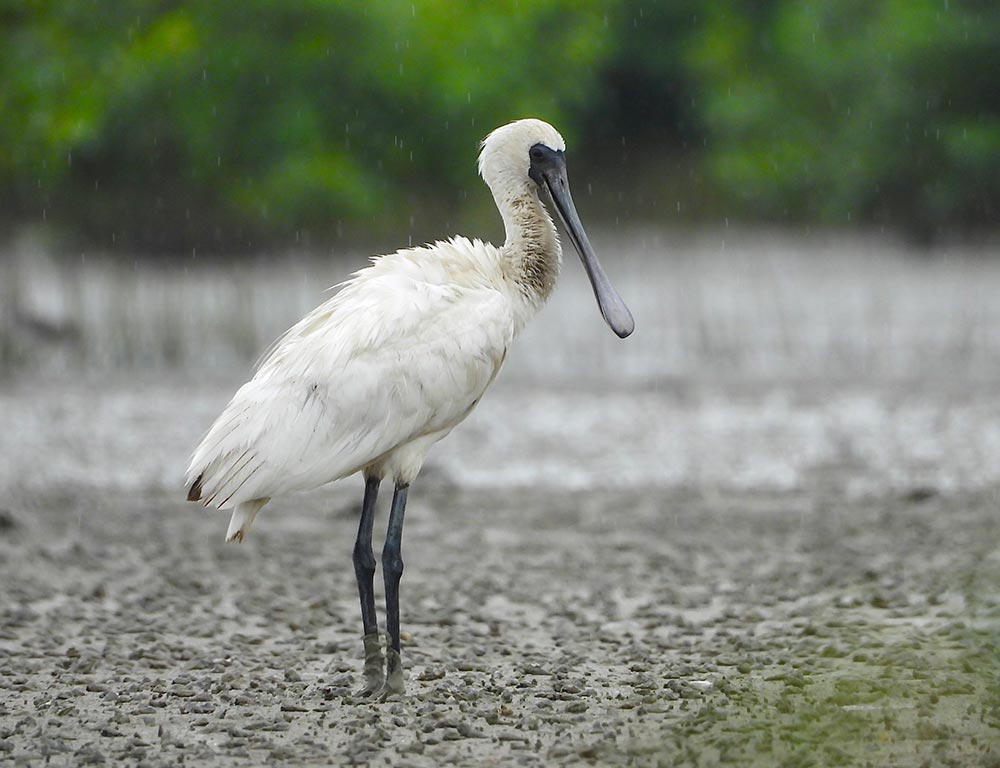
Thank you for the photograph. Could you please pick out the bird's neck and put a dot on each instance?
(532, 253)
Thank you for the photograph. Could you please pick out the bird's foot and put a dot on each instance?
(374, 666)
(393, 687)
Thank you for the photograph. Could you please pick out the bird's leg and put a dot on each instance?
(364, 570)
(392, 570)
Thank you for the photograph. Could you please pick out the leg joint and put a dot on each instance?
(392, 561)
(364, 559)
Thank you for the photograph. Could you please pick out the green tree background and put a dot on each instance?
(166, 125)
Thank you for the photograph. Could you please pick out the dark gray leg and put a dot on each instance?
(392, 570)
(364, 570)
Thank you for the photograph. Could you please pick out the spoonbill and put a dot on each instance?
(372, 378)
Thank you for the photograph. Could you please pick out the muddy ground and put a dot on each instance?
(811, 577)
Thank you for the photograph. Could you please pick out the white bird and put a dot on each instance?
(371, 379)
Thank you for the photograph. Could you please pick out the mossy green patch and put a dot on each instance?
(939, 705)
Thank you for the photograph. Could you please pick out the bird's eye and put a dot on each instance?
(537, 154)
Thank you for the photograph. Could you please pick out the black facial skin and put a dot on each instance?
(544, 160)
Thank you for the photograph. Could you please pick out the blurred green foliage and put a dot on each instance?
(165, 124)
(143, 116)
(851, 110)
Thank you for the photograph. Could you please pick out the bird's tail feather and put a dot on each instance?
(242, 519)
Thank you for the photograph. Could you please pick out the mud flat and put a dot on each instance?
(694, 621)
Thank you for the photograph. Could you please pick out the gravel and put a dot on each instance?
(842, 609)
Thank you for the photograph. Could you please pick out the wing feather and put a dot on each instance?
(404, 349)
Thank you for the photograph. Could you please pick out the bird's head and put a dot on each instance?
(505, 159)
(532, 152)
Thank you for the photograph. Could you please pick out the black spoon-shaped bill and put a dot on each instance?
(548, 169)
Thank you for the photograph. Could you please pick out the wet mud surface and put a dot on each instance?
(811, 622)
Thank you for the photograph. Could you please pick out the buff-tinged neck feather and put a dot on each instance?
(532, 252)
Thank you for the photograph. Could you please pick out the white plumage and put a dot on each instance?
(372, 378)
(375, 375)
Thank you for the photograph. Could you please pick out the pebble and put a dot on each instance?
(697, 616)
